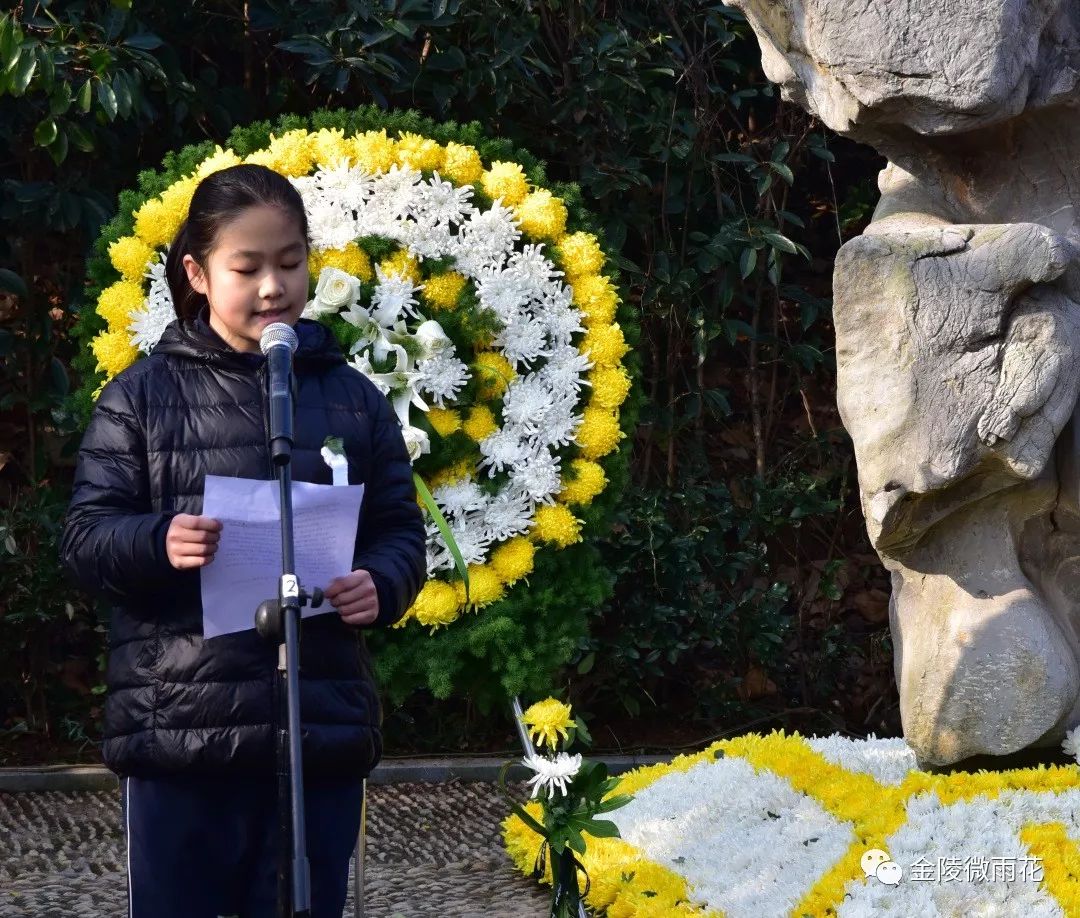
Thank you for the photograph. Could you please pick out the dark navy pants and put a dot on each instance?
(200, 847)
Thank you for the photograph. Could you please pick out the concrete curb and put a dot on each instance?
(91, 778)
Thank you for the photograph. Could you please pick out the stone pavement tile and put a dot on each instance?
(433, 850)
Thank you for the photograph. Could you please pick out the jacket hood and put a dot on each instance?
(195, 340)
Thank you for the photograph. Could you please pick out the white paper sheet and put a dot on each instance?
(247, 566)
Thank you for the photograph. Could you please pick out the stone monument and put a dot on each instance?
(957, 318)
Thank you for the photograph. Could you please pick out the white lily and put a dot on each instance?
(552, 773)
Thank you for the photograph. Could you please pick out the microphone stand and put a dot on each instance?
(279, 620)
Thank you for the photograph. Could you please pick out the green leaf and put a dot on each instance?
(48, 68)
(444, 529)
(586, 664)
(84, 97)
(58, 149)
(778, 241)
(60, 100)
(784, 172)
(122, 92)
(10, 282)
(24, 73)
(7, 342)
(602, 828)
(45, 133)
(144, 41)
(107, 99)
(747, 262)
(79, 138)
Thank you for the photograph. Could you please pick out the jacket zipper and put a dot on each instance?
(264, 400)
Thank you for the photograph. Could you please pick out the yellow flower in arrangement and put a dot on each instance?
(292, 153)
(445, 420)
(513, 559)
(610, 387)
(505, 181)
(588, 481)
(114, 352)
(452, 474)
(480, 423)
(421, 153)
(556, 524)
(605, 345)
(373, 151)
(596, 297)
(436, 605)
(548, 720)
(485, 587)
(328, 146)
(352, 259)
(155, 224)
(118, 301)
(403, 264)
(130, 255)
(493, 372)
(542, 215)
(462, 165)
(216, 161)
(441, 291)
(599, 432)
(579, 254)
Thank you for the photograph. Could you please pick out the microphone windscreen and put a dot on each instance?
(277, 334)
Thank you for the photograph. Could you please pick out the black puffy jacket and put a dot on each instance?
(196, 407)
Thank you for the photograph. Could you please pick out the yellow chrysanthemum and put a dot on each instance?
(436, 605)
(293, 153)
(262, 158)
(351, 259)
(421, 153)
(588, 481)
(542, 215)
(597, 298)
(130, 255)
(462, 165)
(605, 345)
(514, 559)
(445, 421)
(556, 524)
(580, 254)
(118, 301)
(493, 373)
(480, 423)
(599, 432)
(157, 221)
(454, 473)
(373, 151)
(221, 158)
(441, 291)
(506, 181)
(610, 387)
(329, 147)
(403, 264)
(485, 587)
(114, 352)
(522, 843)
(547, 720)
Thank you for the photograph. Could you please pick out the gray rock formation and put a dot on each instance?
(957, 320)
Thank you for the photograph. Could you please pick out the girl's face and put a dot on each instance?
(256, 274)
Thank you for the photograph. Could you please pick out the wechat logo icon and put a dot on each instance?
(877, 863)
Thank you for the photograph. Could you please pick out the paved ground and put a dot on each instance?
(433, 850)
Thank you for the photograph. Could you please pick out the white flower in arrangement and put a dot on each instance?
(472, 541)
(564, 370)
(336, 290)
(539, 478)
(527, 402)
(460, 498)
(440, 203)
(560, 424)
(486, 238)
(148, 323)
(395, 192)
(433, 339)
(441, 376)
(1071, 743)
(416, 442)
(505, 293)
(348, 186)
(393, 299)
(523, 340)
(533, 267)
(507, 514)
(552, 774)
(329, 226)
(503, 449)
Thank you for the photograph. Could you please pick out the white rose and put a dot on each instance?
(432, 338)
(416, 442)
(336, 290)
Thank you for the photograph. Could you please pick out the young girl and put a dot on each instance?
(189, 723)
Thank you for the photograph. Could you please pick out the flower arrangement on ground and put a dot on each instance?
(781, 825)
(471, 292)
(569, 795)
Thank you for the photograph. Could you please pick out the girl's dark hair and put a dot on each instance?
(218, 199)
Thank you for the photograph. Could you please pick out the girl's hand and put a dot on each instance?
(192, 541)
(354, 597)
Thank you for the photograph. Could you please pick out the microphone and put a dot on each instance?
(278, 342)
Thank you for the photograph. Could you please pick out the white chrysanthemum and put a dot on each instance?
(425, 240)
(441, 376)
(560, 320)
(394, 297)
(552, 774)
(347, 186)
(533, 266)
(507, 514)
(329, 226)
(505, 293)
(527, 402)
(564, 370)
(523, 340)
(486, 239)
(395, 192)
(561, 423)
(504, 448)
(1071, 743)
(460, 498)
(440, 203)
(472, 542)
(539, 478)
(148, 323)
